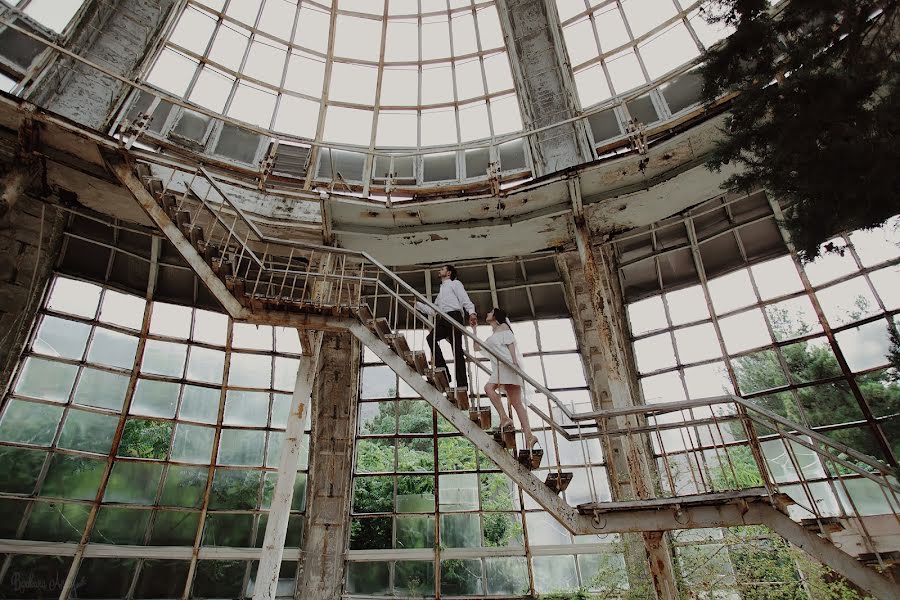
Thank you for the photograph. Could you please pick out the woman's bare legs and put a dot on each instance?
(492, 391)
(514, 393)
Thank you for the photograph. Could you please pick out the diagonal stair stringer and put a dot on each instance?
(125, 173)
(866, 578)
(567, 515)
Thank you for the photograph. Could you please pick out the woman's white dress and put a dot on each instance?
(499, 343)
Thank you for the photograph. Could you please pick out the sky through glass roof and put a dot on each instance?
(385, 73)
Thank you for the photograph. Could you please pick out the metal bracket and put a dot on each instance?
(493, 173)
(267, 165)
(637, 139)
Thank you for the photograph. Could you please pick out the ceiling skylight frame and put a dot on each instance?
(294, 50)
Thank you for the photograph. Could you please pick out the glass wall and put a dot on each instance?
(430, 513)
(717, 305)
(133, 426)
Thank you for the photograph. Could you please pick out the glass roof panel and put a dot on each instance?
(616, 46)
(311, 68)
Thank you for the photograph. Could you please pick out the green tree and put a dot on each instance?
(893, 355)
(817, 110)
(823, 404)
(143, 438)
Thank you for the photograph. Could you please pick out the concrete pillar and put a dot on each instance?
(115, 34)
(598, 310)
(546, 86)
(30, 241)
(330, 465)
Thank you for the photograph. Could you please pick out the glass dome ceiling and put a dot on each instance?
(370, 73)
(618, 45)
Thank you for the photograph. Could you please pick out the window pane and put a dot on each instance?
(74, 297)
(101, 389)
(122, 309)
(164, 358)
(241, 447)
(61, 338)
(112, 348)
(206, 365)
(46, 379)
(250, 370)
(29, 422)
(246, 408)
(193, 444)
(155, 398)
(88, 431)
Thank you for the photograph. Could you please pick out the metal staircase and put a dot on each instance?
(263, 279)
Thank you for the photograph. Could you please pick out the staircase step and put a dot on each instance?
(382, 329)
(889, 558)
(459, 396)
(142, 170)
(711, 499)
(416, 359)
(507, 438)
(154, 185)
(438, 378)
(558, 482)
(210, 253)
(168, 202)
(398, 342)
(823, 525)
(223, 268)
(482, 417)
(197, 237)
(531, 459)
(364, 314)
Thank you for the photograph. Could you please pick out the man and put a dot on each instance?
(454, 301)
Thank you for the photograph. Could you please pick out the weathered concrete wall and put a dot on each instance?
(115, 34)
(545, 83)
(330, 468)
(26, 261)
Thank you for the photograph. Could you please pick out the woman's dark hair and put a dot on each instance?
(452, 270)
(500, 314)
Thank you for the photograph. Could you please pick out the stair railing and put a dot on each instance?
(696, 455)
(727, 443)
(253, 266)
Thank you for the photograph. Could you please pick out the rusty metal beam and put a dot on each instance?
(866, 578)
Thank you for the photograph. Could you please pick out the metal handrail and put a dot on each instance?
(263, 238)
(401, 293)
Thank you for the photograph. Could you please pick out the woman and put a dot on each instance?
(502, 342)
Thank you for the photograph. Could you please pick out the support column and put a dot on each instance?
(331, 459)
(118, 35)
(276, 527)
(545, 84)
(31, 235)
(598, 309)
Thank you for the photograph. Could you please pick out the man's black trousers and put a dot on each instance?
(444, 331)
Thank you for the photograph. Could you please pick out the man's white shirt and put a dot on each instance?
(451, 297)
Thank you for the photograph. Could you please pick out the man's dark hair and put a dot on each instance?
(452, 270)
